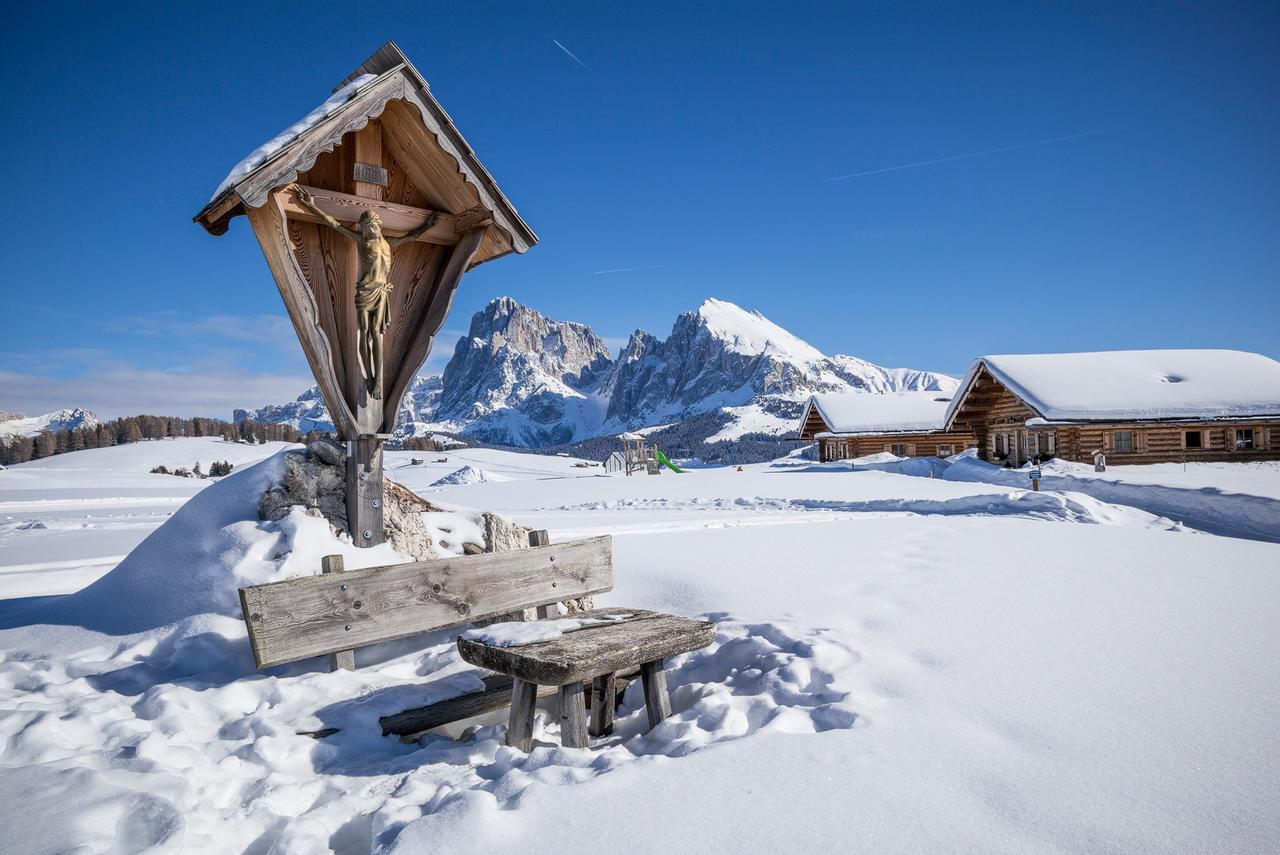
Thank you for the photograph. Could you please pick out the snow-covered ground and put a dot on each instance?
(903, 663)
(67, 519)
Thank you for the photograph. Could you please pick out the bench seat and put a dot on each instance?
(622, 639)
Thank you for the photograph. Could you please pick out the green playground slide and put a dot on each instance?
(662, 458)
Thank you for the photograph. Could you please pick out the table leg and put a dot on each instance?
(602, 701)
(656, 701)
(524, 698)
(573, 716)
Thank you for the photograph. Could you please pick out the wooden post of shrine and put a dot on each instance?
(368, 216)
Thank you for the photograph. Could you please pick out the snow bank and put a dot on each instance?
(194, 563)
(468, 475)
(1209, 509)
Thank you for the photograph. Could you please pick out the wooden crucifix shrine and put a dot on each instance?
(368, 211)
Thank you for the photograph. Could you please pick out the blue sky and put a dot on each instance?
(1077, 177)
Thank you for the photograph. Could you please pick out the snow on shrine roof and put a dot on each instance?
(260, 154)
(381, 81)
(1129, 385)
(871, 412)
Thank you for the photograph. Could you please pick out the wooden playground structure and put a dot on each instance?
(638, 456)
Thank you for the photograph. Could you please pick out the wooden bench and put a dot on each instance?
(336, 612)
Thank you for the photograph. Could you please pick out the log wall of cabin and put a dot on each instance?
(813, 425)
(1166, 443)
(918, 444)
(989, 409)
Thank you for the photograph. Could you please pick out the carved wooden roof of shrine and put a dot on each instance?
(421, 135)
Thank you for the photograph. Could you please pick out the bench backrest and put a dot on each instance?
(310, 616)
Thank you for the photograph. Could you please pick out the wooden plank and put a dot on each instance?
(573, 716)
(603, 699)
(270, 228)
(299, 618)
(366, 149)
(585, 653)
(495, 695)
(436, 308)
(524, 699)
(656, 702)
(343, 660)
(397, 219)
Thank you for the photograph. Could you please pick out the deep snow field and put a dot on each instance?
(904, 663)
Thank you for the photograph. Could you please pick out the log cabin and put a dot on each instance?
(907, 424)
(1135, 406)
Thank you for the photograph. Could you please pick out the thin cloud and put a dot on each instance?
(571, 55)
(128, 391)
(622, 270)
(950, 158)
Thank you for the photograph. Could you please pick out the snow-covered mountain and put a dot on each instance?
(308, 411)
(18, 424)
(521, 378)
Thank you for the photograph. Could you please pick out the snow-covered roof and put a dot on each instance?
(889, 412)
(1130, 385)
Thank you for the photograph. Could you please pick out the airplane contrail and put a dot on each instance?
(961, 156)
(622, 270)
(571, 55)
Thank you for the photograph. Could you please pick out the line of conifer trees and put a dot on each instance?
(20, 449)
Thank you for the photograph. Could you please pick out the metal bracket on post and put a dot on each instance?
(364, 489)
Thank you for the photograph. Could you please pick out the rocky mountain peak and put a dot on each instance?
(521, 378)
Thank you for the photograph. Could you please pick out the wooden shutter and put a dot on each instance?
(911, 449)
(1139, 440)
(1108, 440)
(1261, 438)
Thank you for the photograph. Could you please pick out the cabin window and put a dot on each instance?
(944, 451)
(898, 449)
(1193, 439)
(1123, 440)
(1244, 438)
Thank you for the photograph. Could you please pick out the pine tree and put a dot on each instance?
(20, 450)
(45, 445)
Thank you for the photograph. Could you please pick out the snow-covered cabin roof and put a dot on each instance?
(870, 412)
(1135, 385)
(387, 83)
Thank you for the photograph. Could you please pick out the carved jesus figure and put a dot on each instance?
(373, 289)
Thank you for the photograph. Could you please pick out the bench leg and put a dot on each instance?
(524, 697)
(602, 701)
(573, 716)
(656, 701)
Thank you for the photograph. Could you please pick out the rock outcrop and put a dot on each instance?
(316, 480)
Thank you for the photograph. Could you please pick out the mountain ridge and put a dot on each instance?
(521, 378)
